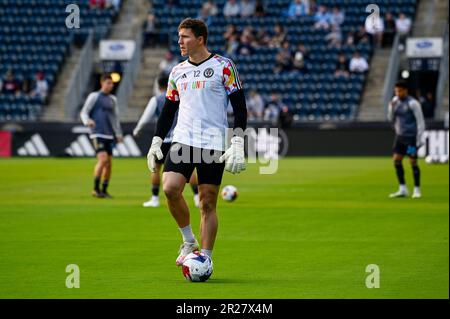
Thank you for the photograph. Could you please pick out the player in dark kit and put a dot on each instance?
(406, 113)
(100, 114)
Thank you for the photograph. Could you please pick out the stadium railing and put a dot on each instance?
(391, 74)
(79, 81)
(130, 75)
(443, 77)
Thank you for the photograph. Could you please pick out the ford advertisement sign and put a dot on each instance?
(424, 47)
(117, 50)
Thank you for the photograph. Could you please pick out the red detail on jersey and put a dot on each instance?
(173, 95)
(227, 71)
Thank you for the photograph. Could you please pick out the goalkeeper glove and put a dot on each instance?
(234, 156)
(154, 151)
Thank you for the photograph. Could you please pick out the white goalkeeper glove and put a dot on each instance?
(154, 152)
(234, 156)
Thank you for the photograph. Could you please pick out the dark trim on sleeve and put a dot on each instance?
(166, 118)
(239, 105)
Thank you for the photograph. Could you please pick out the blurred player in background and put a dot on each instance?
(199, 90)
(153, 108)
(406, 113)
(101, 114)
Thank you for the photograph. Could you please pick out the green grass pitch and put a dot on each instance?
(308, 231)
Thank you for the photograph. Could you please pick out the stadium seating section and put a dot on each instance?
(314, 96)
(34, 37)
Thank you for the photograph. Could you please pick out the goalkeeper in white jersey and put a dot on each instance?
(199, 89)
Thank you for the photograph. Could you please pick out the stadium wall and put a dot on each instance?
(343, 139)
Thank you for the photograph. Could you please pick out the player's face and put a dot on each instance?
(400, 92)
(107, 85)
(188, 42)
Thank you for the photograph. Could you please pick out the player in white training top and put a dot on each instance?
(199, 89)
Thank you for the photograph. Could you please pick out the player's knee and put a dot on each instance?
(103, 159)
(397, 162)
(107, 163)
(207, 203)
(172, 191)
(207, 207)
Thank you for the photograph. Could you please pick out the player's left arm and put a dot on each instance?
(146, 116)
(234, 156)
(417, 110)
(164, 123)
(115, 122)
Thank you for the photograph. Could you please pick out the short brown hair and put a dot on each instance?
(105, 77)
(198, 27)
(402, 84)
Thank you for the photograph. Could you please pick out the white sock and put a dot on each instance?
(188, 235)
(207, 252)
(416, 189)
(402, 188)
(155, 197)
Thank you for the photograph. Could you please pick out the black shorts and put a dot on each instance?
(405, 145)
(165, 147)
(103, 145)
(184, 159)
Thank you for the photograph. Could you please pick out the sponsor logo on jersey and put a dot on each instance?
(195, 85)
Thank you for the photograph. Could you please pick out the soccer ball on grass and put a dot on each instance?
(197, 267)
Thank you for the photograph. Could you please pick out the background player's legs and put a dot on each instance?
(106, 174)
(102, 160)
(194, 185)
(156, 182)
(398, 164)
(416, 174)
(209, 222)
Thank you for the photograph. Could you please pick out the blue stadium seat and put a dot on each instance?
(34, 38)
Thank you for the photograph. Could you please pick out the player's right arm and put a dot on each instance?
(164, 123)
(87, 108)
(146, 116)
(391, 107)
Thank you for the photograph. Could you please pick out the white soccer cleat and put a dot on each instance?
(153, 202)
(185, 249)
(399, 194)
(196, 200)
(417, 194)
